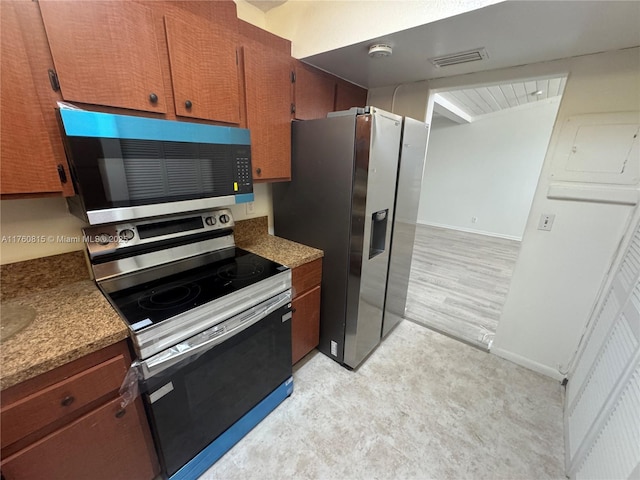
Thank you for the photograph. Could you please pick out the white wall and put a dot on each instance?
(42, 217)
(50, 218)
(322, 25)
(487, 169)
(251, 14)
(559, 273)
(409, 99)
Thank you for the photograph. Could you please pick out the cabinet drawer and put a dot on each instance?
(109, 443)
(41, 408)
(306, 276)
(305, 324)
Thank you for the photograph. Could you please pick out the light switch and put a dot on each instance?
(546, 221)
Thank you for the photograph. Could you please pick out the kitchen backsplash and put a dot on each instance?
(36, 228)
(41, 274)
(251, 229)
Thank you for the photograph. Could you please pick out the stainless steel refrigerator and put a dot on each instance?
(412, 159)
(341, 199)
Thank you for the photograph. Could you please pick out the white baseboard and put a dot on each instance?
(527, 363)
(470, 230)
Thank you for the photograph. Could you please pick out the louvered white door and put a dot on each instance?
(602, 405)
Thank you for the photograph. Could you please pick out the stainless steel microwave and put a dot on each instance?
(126, 167)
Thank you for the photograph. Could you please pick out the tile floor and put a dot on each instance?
(422, 406)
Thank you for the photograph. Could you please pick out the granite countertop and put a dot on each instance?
(71, 316)
(253, 235)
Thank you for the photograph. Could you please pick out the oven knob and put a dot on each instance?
(210, 221)
(103, 239)
(127, 234)
(224, 218)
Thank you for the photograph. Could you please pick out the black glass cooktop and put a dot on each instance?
(152, 302)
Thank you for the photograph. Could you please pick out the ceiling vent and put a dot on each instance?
(461, 57)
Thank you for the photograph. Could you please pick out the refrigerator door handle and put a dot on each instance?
(378, 240)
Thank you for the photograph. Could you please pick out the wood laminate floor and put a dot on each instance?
(459, 282)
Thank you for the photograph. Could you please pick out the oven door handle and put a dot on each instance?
(191, 349)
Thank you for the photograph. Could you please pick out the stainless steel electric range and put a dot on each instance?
(209, 323)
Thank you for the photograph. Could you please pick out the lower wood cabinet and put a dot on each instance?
(305, 323)
(305, 326)
(69, 424)
(108, 442)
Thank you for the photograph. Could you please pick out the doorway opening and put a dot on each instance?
(484, 158)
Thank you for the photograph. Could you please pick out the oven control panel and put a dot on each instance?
(110, 238)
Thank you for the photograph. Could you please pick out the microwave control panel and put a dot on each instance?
(242, 172)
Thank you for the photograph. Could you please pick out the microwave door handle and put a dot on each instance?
(204, 341)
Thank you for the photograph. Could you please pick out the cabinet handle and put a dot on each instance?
(62, 174)
(53, 79)
(153, 98)
(120, 413)
(258, 170)
(66, 401)
(293, 310)
(188, 104)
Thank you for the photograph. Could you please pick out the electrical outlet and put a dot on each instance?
(546, 221)
(251, 208)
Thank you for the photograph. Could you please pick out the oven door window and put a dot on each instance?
(195, 403)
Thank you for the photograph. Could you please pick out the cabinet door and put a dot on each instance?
(306, 276)
(314, 92)
(105, 53)
(204, 69)
(267, 81)
(305, 324)
(28, 164)
(63, 399)
(349, 95)
(109, 443)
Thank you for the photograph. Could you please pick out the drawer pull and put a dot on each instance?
(120, 413)
(66, 401)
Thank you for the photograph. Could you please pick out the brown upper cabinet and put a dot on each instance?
(314, 92)
(121, 54)
(169, 59)
(267, 87)
(33, 160)
(317, 93)
(106, 53)
(266, 91)
(204, 71)
(349, 95)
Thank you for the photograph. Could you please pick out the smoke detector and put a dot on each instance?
(380, 50)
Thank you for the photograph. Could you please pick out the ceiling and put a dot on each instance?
(513, 33)
(470, 104)
(493, 98)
